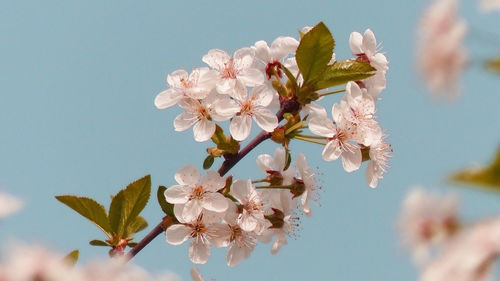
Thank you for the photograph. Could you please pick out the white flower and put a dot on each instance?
(201, 113)
(202, 229)
(365, 48)
(195, 194)
(469, 256)
(379, 160)
(274, 167)
(252, 216)
(338, 138)
(273, 56)
(248, 108)
(197, 86)
(489, 5)
(8, 204)
(441, 57)
(234, 70)
(426, 220)
(308, 178)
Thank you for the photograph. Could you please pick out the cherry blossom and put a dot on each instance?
(338, 138)
(8, 204)
(308, 178)
(252, 216)
(379, 161)
(441, 57)
(233, 71)
(274, 167)
(196, 194)
(250, 107)
(196, 86)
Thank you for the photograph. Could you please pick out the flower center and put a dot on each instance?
(247, 107)
(185, 83)
(197, 193)
(229, 71)
(198, 229)
(273, 68)
(203, 113)
(236, 231)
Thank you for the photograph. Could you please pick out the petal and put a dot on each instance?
(225, 109)
(188, 175)
(322, 126)
(353, 93)
(351, 157)
(265, 119)
(251, 77)
(265, 162)
(199, 252)
(331, 151)
(178, 209)
(174, 78)
(196, 274)
(314, 109)
(306, 208)
(231, 215)
(240, 127)
(225, 86)
(240, 189)
(355, 42)
(167, 98)
(207, 78)
(235, 255)
(280, 241)
(262, 51)
(177, 234)
(222, 235)
(371, 175)
(262, 95)
(203, 130)
(177, 194)
(243, 58)
(215, 202)
(216, 59)
(283, 46)
(192, 209)
(184, 120)
(279, 159)
(212, 181)
(248, 222)
(369, 43)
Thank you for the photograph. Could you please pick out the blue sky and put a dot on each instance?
(77, 84)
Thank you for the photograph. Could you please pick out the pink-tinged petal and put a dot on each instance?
(184, 121)
(279, 242)
(265, 162)
(188, 175)
(207, 78)
(248, 222)
(369, 43)
(197, 92)
(177, 234)
(177, 194)
(167, 98)
(239, 91)
(353, 93)
(332, 151)
(243, 58)
(235, 255)
(306, 208)
(280, 158)
(240, 127)
(174, 78)
(226, 86)
(196, 274)
(351, 158)
(222, 236)
(262, 51)
(262, 95)
(189, 104)
(216, 59)
(267, 235)
(203, 130)
(215, 202)
(322, 126)
(212, 181)
(241, 189)
(379, 61)
(225, 109)
(356, 42)
(371, 175)
(211, 218)
(265, 119)
(192, 209)
(178, 209)
(314, 110)
(231, 215)
(283, 46)
(251, 77)
(199, 252)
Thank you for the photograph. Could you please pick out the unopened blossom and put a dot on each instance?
(248, 107)
(197, 85)
(202, 114)
(365, 48)
(241, 243)
(274, 167)
(282, 211)
(234, 71)
(197, 195)
(441, 57)
(8, 204)
(489, 5)
(469, 256)
(202, 230)
(380, 153)
(339, 137)
(308, 178)
(427, 220)
(252, 216)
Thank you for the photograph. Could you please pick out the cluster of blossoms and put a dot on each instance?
(464, 253)
(265, 84)
(441, 57)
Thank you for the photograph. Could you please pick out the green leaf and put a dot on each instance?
(314, 52)
(72, 258)
(96, 242)
(218, 137)
(137, 225)
(128, 204)
(493, 65)
(486, 177)
(88, 208)
(209, 161)
(165, 206)
(342, 72)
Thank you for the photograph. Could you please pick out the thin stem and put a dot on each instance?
(162, 226)
(332, 92)
(308, 140)
(260, 181)
(311, 137)
(275, 186)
